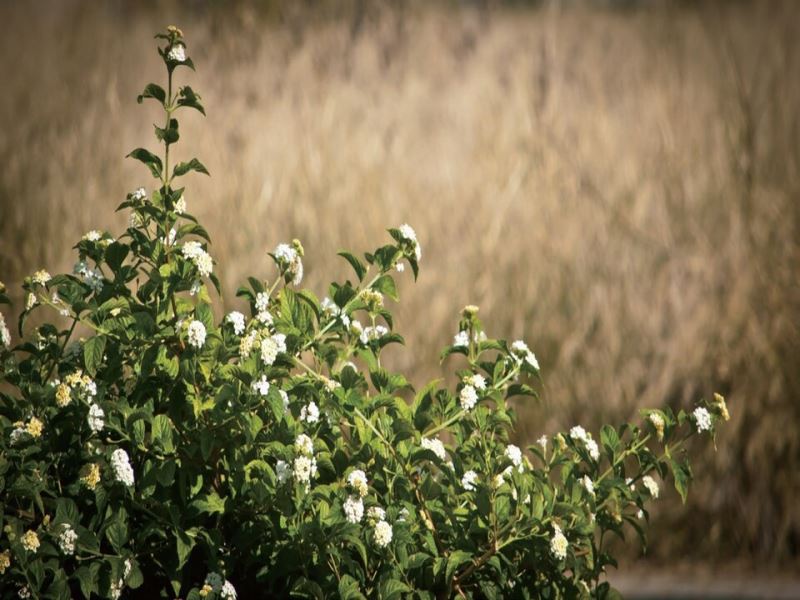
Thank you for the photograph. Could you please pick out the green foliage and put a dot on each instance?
(169, 454)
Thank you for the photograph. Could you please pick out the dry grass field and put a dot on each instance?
(619, 187)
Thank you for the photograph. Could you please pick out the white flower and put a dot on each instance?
(92, 236)
(587, 482)
(304, 468)
(578, 433)
(228, 592)
(196, 334)
(309, 413)
(702, 419)
(658, 424)
(468, 397)
(542, 441)
(514, 454)
(127, 567)
(476, 380)
(630, 484)
(121, 465)
(593, 449)
(5, 334)
(282, 471)
(469, 480)
(353, 509)
(236, 319)
(180, 206)
(30, 541)
(400, 267)
(330, 308)
(262, 302)
(522, 352)
(264, 317)
(24, 592)
(407, 233)
(640, 514)
(376, 513)
(269, 351)
(96, 418)
(403, 515)
(177, 53)
(382, 534)
(192, 250)
(651, 485)
(134, 220)
(246, 344)
(285, 397)
(461, 339)
(169, 239)
(262, 385)
(558, 544)
(304, 444)
(372, 333)
(139, 195)
(30, 301)
(290, 262)
(358, 481)
(41, 277)
(436, 446)
(67, 539)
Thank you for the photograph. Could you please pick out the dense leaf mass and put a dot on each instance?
(168, 454)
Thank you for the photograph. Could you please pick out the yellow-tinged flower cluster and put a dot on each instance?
(30, 541)
(5, 561)
(34, 427)
(63, 396)
(90, 475)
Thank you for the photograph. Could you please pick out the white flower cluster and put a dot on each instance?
(261, 386)
(92, 236)
(468, 397)
(290, 262)
(651, 485)
(558, 543)
(67, 539)
(193, 251)
(702, 419)
(522, 352)
(196, 334)
(330, 308)
(578, 433)
(139, 194)
(587, 483)
(304, 467)
(658, 424)
(177, 53)
(514, 454)
(282, 471)
(370, 333)
(357, 480)
(180, 205)
(5, 334)
(91, 277)
(236, 319)
(271, 346)
(408, 234)
(353, 509)
(310, 413)
(121, 465)
(436, 446)
(469, 481)
(41, 277)
(461, 339)
(382, 534)
(96, 418)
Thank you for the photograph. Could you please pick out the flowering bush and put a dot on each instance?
(171, 454)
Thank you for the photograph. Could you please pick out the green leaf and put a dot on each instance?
(152, 90)
(357, 265)
(348, 588)
(393, 588)
(162, 433)
(386, 285)
(188, 98)
(682, 474)
(455, 560)
(148, 158)
(184, 545)
(93, 350)
(192, 165)
(209, 503)
(117, 531)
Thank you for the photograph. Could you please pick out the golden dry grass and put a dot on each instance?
(620, 188)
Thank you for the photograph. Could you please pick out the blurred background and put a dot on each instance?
(618, 183)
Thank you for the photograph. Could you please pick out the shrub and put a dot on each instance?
(171, 454)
